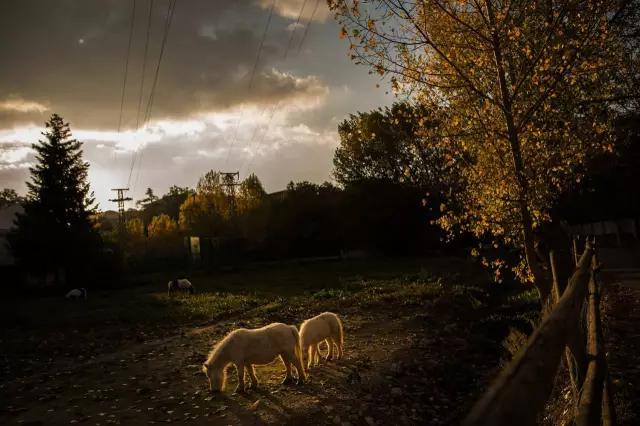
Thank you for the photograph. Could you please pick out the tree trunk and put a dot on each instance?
(540, 280)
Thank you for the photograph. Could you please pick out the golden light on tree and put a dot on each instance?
(526, 91)
(250, 194)
(162, 226)
(135, 229)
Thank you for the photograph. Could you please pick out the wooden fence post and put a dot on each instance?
(575, 249)
(570, 361)
(590, 403)
(596, 401)
(554, 275)
(520, 392)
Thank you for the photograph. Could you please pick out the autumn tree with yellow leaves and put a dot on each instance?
(212, 211)
(164, 237)
(524, 91)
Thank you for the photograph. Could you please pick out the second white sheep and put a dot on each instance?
(324, 327)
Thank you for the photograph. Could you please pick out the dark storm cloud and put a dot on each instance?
(70, 57)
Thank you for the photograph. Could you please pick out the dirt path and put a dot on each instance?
(622, 316)
(398, 369)
(621, 319)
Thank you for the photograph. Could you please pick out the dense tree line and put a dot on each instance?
(392, 186)
(306, 219)
(9, 197)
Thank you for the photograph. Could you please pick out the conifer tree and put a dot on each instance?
(55, 233)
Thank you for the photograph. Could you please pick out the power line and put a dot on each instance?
(293, 31)
(233, 138)
(229, 181)
(264, 36)
(144, 62)
(253, 71)
(126, 63)
(168, 19)
(274, 106)
(306, 30)
(253, 136)
(140, 96)
(120, 199)
(248, 163)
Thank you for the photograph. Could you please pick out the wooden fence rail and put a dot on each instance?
(519, 394)
(589, 404)
(595, 401)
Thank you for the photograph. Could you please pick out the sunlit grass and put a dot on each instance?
(524, 296)
(210, 306)
(109, 319)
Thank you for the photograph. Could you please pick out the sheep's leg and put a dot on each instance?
(240, 370)
(297, 362)
(330, 353)
(316, 355)
(338, 352)
(288, 379)
(340, 349)
(309, 356)
(252, 376)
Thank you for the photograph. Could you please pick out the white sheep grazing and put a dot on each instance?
(179, 284)
(77, 293)
(244, 348)
(324, 327)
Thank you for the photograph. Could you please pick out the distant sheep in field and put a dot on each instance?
(77, 293)
(244, 348)
(180, 284)
(324, 327)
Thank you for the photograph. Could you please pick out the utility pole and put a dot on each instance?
(229, 182)
(120, 199)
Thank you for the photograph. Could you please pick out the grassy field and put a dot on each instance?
(144, 310)
(438, 317)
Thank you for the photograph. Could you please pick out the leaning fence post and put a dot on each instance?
(569, 359)
(554, 275)
(591, 407)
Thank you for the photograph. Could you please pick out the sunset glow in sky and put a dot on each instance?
(68, 57)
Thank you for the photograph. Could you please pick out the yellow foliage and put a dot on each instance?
(135, 228)
(162, 226)
(513, 83)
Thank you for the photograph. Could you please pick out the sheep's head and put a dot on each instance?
(215, 377)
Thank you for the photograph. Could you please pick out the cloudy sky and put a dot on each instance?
(68, 57)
